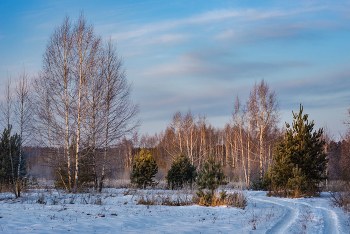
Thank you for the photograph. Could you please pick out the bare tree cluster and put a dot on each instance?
(245, 145)
(338, 153)
(255, 131)
(82, 103)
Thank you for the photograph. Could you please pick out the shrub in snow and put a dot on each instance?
(181, 172)
(257, 184)
(144, 169)
(209, 178)
(236, 199)
(174, 198)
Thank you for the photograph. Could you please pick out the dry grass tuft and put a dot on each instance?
(284, 192)
(235, 199)
(168, 198)
(146, 200)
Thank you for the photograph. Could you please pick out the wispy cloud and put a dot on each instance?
(283, 30)
(264, 32)
(167, 39)
(214, 65)
(211, 17)
(327, 90)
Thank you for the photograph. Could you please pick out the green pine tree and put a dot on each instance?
(144, 169)
(181, 172)
(299, 160)
(210, 177)
(9, 159)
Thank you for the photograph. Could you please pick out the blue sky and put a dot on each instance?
(202, 54)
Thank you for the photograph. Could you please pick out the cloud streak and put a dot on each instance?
(216, 65)
(245, 16)
(166, 39)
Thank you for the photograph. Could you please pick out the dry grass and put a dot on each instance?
(284, 192)
(236, 199)
(168, 198)
(187, 196)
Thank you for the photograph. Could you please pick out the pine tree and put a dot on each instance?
(144, 169)
(9, 161)
(210, 177)
(181, 172)
(299, 160)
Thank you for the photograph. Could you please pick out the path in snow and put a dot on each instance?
(330, 221)
(323, 220)
(287, 220)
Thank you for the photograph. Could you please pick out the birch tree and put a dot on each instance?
(23, 111)
(85, 67)
(264, 107)
(239, 118)
(120, 112)
(55, 86)
(190, 135)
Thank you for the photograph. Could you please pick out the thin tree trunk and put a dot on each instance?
(106, 143)
(9, 127)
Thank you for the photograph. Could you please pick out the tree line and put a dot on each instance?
(298, 166)
(245, 146)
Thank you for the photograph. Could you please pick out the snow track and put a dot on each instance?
(330, 221)
(288, 219)
(329, 218)
(309, 216)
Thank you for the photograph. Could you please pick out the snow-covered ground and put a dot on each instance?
(115, 212)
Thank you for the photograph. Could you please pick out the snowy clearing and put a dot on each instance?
(113, 212)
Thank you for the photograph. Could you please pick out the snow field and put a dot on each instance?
(114, 211)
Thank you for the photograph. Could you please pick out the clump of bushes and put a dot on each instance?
(258, 184)
(147, 200)
(186, 197)
(340, 195)
(182, 172)
(236, 199)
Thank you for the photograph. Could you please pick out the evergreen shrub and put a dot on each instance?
(181, 172)
(144, 169)
(209, 178)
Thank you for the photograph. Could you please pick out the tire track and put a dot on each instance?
(287, 220)
(331, 223)
(330, 219)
